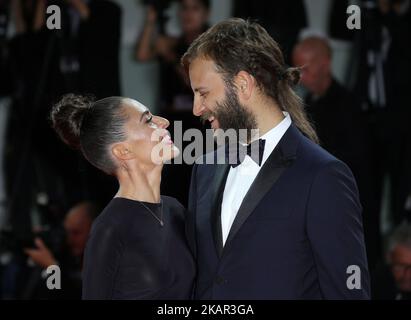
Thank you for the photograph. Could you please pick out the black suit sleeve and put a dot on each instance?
(101, 262)
(335, 232)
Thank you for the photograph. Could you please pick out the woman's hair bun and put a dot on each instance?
(67, 117)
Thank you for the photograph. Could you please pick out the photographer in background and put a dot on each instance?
(176, 93)
(77, 226)
(176, 96)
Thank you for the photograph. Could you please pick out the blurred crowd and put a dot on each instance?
(49, 195)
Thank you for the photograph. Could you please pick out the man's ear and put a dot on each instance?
(122, 151)
(245, 84)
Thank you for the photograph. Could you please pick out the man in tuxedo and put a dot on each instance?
(285, 224)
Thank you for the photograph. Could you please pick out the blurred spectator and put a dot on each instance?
(392, 280)
(336, 116)
(77, 226)
(283, 19)
(176, 93)
(383, 59)
(176, 96)
(332, 108)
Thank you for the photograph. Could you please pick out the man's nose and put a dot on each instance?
(198, 107)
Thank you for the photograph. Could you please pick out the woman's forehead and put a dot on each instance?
(136, 105)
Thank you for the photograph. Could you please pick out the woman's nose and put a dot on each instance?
(162, 122)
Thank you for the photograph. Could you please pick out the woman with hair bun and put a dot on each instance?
(137, 247)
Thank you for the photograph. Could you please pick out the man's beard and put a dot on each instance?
(231, 114)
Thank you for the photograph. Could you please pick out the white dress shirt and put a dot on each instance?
(240, 178)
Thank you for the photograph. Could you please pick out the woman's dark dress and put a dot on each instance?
(130, 256)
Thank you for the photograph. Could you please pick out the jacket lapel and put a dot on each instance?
(217, 197)
(281, 157)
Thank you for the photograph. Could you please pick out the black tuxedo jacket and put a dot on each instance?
(297, 235)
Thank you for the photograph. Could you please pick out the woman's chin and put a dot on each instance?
(166, 153)
(170, 152)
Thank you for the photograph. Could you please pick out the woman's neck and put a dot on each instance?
(140, 183)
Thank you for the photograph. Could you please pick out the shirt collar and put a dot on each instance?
(274, 135)
(271, 137)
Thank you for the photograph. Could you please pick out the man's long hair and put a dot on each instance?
(236, 45)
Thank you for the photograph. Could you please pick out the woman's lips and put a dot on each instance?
(166, 139)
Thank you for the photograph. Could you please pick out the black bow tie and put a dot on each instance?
(235, 153)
